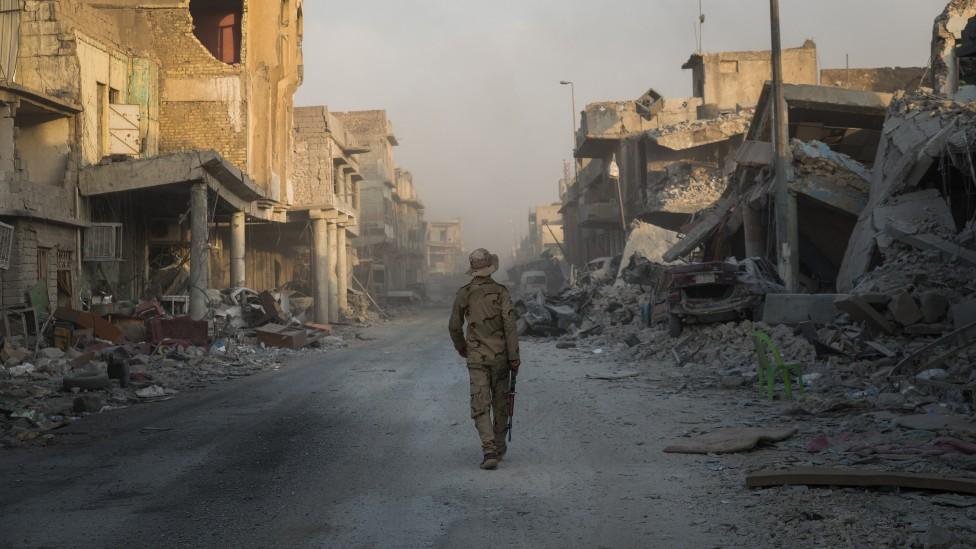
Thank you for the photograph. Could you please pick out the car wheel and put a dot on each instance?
(675, 326)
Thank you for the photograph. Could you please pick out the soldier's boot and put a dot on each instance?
(490, 462)
(501, 446)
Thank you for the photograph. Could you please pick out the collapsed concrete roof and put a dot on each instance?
(920, 129)
(699, 133)
(849, 121)
(819, 174)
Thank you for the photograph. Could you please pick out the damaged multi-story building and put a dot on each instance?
(835, 134)
(391, 242)
(860, 159)
(147, 150)
(445, 248)
(326, 200)
(663, 160)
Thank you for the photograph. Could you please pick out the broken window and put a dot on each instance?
(217, 25)
(42, 263)
(6, 245)
(103, 242)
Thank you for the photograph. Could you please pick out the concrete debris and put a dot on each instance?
(53, 387)
(799, 308)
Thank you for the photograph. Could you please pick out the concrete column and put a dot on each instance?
(331, 273)
(342, 268)
(754, 233)
(238, 224)
(320, 260)
(199, 252)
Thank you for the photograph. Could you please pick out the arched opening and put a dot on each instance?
(217, 25)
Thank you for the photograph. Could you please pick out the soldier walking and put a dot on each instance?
(491, 349)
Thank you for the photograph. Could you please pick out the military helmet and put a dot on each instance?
(483, 262)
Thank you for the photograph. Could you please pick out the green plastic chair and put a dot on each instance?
(771, 363)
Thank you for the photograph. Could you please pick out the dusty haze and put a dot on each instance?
(473, 87)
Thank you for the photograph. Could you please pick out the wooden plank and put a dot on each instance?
(829, 476)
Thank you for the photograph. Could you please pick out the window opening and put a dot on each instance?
(217, 25)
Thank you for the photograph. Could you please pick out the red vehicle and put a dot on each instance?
(704, 293)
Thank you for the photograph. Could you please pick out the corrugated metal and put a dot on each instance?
(9, 37)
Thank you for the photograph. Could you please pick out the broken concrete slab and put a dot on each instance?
(731, 440)
(799, 308)
(932, 242)
(913, 209)
(904, 309)
(860, 311)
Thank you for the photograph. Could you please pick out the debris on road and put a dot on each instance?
(731, 440)
(830, 476)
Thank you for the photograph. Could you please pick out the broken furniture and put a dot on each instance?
(771, 364)
(276, 335)
(25, 316)
(176, 305)
(101, 328)
(196, 332)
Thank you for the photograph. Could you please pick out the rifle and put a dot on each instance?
(511, 403)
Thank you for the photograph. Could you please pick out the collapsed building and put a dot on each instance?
(835, 135)
(155, 153)
(134, 137)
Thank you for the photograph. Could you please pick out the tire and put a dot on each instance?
(675, 326)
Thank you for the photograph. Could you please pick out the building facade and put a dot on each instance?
(445, 248)
(148, 150)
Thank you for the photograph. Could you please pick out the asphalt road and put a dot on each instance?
(371, 446)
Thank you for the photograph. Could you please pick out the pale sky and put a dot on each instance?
(472, 87)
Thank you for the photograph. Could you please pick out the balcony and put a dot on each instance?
(599, 215)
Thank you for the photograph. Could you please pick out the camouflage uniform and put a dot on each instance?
(491, 345)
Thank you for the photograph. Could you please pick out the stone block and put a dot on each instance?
(904, 309)
(797, 308)
(934, 306)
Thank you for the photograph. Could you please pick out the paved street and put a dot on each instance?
(369, 447)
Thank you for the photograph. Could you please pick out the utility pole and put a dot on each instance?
(572, 96)
(787, 230)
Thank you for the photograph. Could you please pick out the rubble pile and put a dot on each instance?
(725, 124)
(814, 158)
(689, 187)
(143, 354)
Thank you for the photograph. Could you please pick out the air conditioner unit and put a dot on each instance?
(165, 230)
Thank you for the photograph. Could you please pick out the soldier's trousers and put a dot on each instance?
(489, 403)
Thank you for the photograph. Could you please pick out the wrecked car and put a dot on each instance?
(704, 293)
(533, 281)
